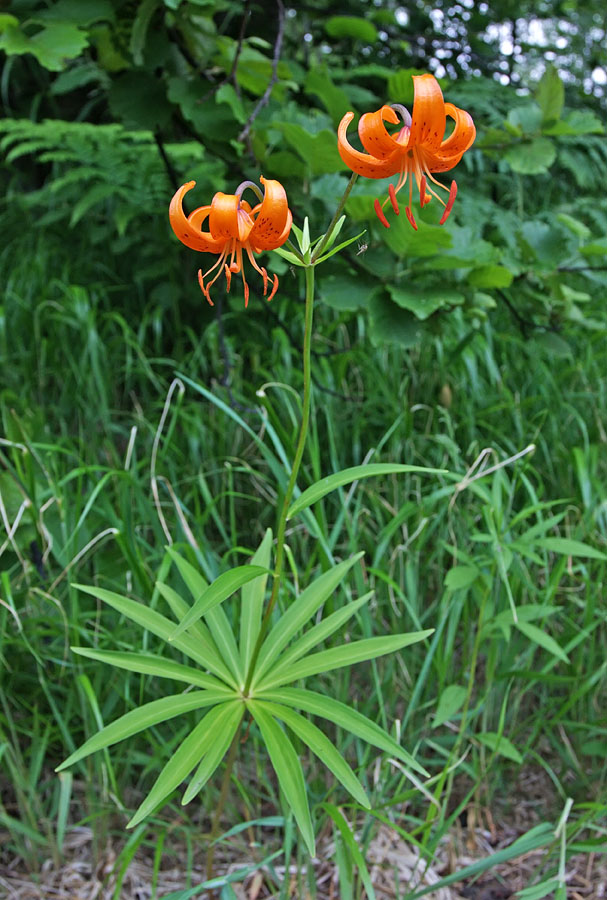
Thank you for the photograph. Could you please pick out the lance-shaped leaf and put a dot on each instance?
(287, 766)
(148, 664)
(180, 607)
(215, 753)
(205, 654)
(344, 716)
(222, 588)
(320, 632)
(338, 657)
(187, 755)
(144, 717)
(253, 595)
(298, 613)
(324, 749)
(320, 488)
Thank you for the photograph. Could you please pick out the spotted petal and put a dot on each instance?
(374, 136)
(273, 221)
(189, 232)
(363, 163)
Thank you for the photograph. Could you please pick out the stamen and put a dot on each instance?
(380, 213)
(410, 216)
(422, 192)
(265, 281)
(228, 277)
(246, 293)
(393, 200)
(274, 289)
(234, 267)
(204, 290)
(450, 202)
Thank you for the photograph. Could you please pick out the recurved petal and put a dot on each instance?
(463, 134)
(260, 243)
(227, 220)
(363, 163)
(272, 217)
(188, 229)
(373, 134)
(428, 124)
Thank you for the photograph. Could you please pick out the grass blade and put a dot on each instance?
(253, 594)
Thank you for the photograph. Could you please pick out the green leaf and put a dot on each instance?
(227, 94)
(144, 717)
(390, 324)
(143, 16)
(550, 95)
(188, 754)
(500, 744)
(223, 587)
(491, 276)
(346, 292)
(331, 482)
(205, 654)
(350, 842)
(400, 87)
(320, 632)
(139, 101)
(405, 241)
(318, 151)
(537, 891)
(424, 302)
(318, 82)
(346, 655)
(288, 770)
(215, 753)
(532, 157)
(544, 640)
(53, 46)
(460, 577)
(299, 612)
(351, 27)
(578, 122)
(179, 608)
(253, 595)
(322, 747)
(569, 547)
(345, 717)
(148, 664)
(451, 701)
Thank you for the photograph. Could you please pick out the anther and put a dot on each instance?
(393, 200)
(274, 289)
(228, 277)
(380, 214)
(246, 294)
(265, 281)
(422, 191)
(410, 216)
(204, 290)
(450, 202)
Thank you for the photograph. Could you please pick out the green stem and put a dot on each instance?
(319, 250)
(223, 794)
(301, 443)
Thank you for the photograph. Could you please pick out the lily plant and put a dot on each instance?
(254, 667)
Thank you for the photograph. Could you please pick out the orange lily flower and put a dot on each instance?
(234, 226)
(413, 153)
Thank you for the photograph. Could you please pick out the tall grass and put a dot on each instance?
(119, 435)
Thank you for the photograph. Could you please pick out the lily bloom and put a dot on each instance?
(234, 226)
(414, 152)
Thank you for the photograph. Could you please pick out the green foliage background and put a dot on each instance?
(430, 346)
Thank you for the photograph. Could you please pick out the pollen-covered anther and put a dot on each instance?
(274, 289)
(380, 213)
(410, 217)
(246, 294)
(228, 274)
(393, 200)
(450, 202)
(423, 199)
(265, 280)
